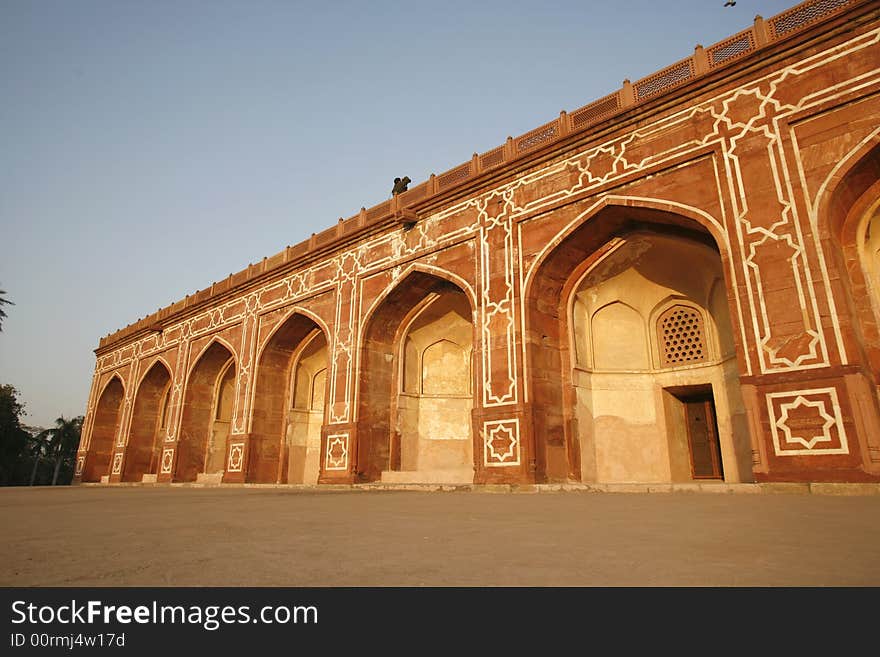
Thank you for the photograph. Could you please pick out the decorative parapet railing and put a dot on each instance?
(703, 61)
(732, 48)
(803, 15)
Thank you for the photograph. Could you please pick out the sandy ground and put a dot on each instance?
(91, 536)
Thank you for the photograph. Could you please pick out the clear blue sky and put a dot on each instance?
(148, 148)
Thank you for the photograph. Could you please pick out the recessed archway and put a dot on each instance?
(288, 414)
(416, 385)
(849, 223)
(610, 383)
(207, 414)
(105, 427)
(850, 216)
(149, 422)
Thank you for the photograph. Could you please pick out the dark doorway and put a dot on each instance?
(702, 430)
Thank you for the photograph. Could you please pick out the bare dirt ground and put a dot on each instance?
(90, 536)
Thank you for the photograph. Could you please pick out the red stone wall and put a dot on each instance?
(769, 154)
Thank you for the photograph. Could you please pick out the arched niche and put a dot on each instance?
(848, 223)
(149, 421)
(306, 415)
(416, 390)
(605, 403)
(105, 428)
(617, 338)
(655, 405)
(207, 414)
(288, 408)
(847, 217)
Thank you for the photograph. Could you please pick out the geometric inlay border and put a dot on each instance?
(167, 460)
(117, 463)
(501, 442)
(80, 461)
(236, 457)
(337, 452)
(813, 439)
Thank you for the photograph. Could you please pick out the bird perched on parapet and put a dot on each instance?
(730, 3)
(400, 185)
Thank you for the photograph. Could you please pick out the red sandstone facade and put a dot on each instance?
(679, 281)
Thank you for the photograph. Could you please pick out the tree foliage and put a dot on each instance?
(62, 441)
(13, 437)
(36, 457)
(3, 302)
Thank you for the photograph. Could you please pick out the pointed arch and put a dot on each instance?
(850, 198)
(215, 340)
(115, 376)
(422, 295)
(444, 366)
(201, 444)
(284, 445)
(295, 310)
(105, 428)
(145, 434)
(429, 270)
(618, 338)
(658, 211)
(847, 219)
(853, 174)
(607, 247)
(158, 359)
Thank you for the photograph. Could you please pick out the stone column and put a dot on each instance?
(120, 442)
(502, 419)
(339, 434)
(86, 434)
(238, 440)
(810, 413)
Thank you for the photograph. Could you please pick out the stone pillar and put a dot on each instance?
(339, 434)
(117, 460)
(86, 434)
(238, 441)
(810, 413)
(168, 448)
(502, 420)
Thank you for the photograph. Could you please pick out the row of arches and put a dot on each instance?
(417, 381)
(632, 366)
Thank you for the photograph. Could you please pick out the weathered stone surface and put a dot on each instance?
(676, 289)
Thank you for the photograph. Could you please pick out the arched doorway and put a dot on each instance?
(417, 392)
(104, 430)
(647, 388)
(285, 441)
(149, 424)
(849, 222)
(207, 415)
(849, 219)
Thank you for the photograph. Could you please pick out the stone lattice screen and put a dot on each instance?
(681, 336)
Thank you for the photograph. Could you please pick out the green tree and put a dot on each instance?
(63, 440)
(3, 302)
(13, 438)
(35, 452)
